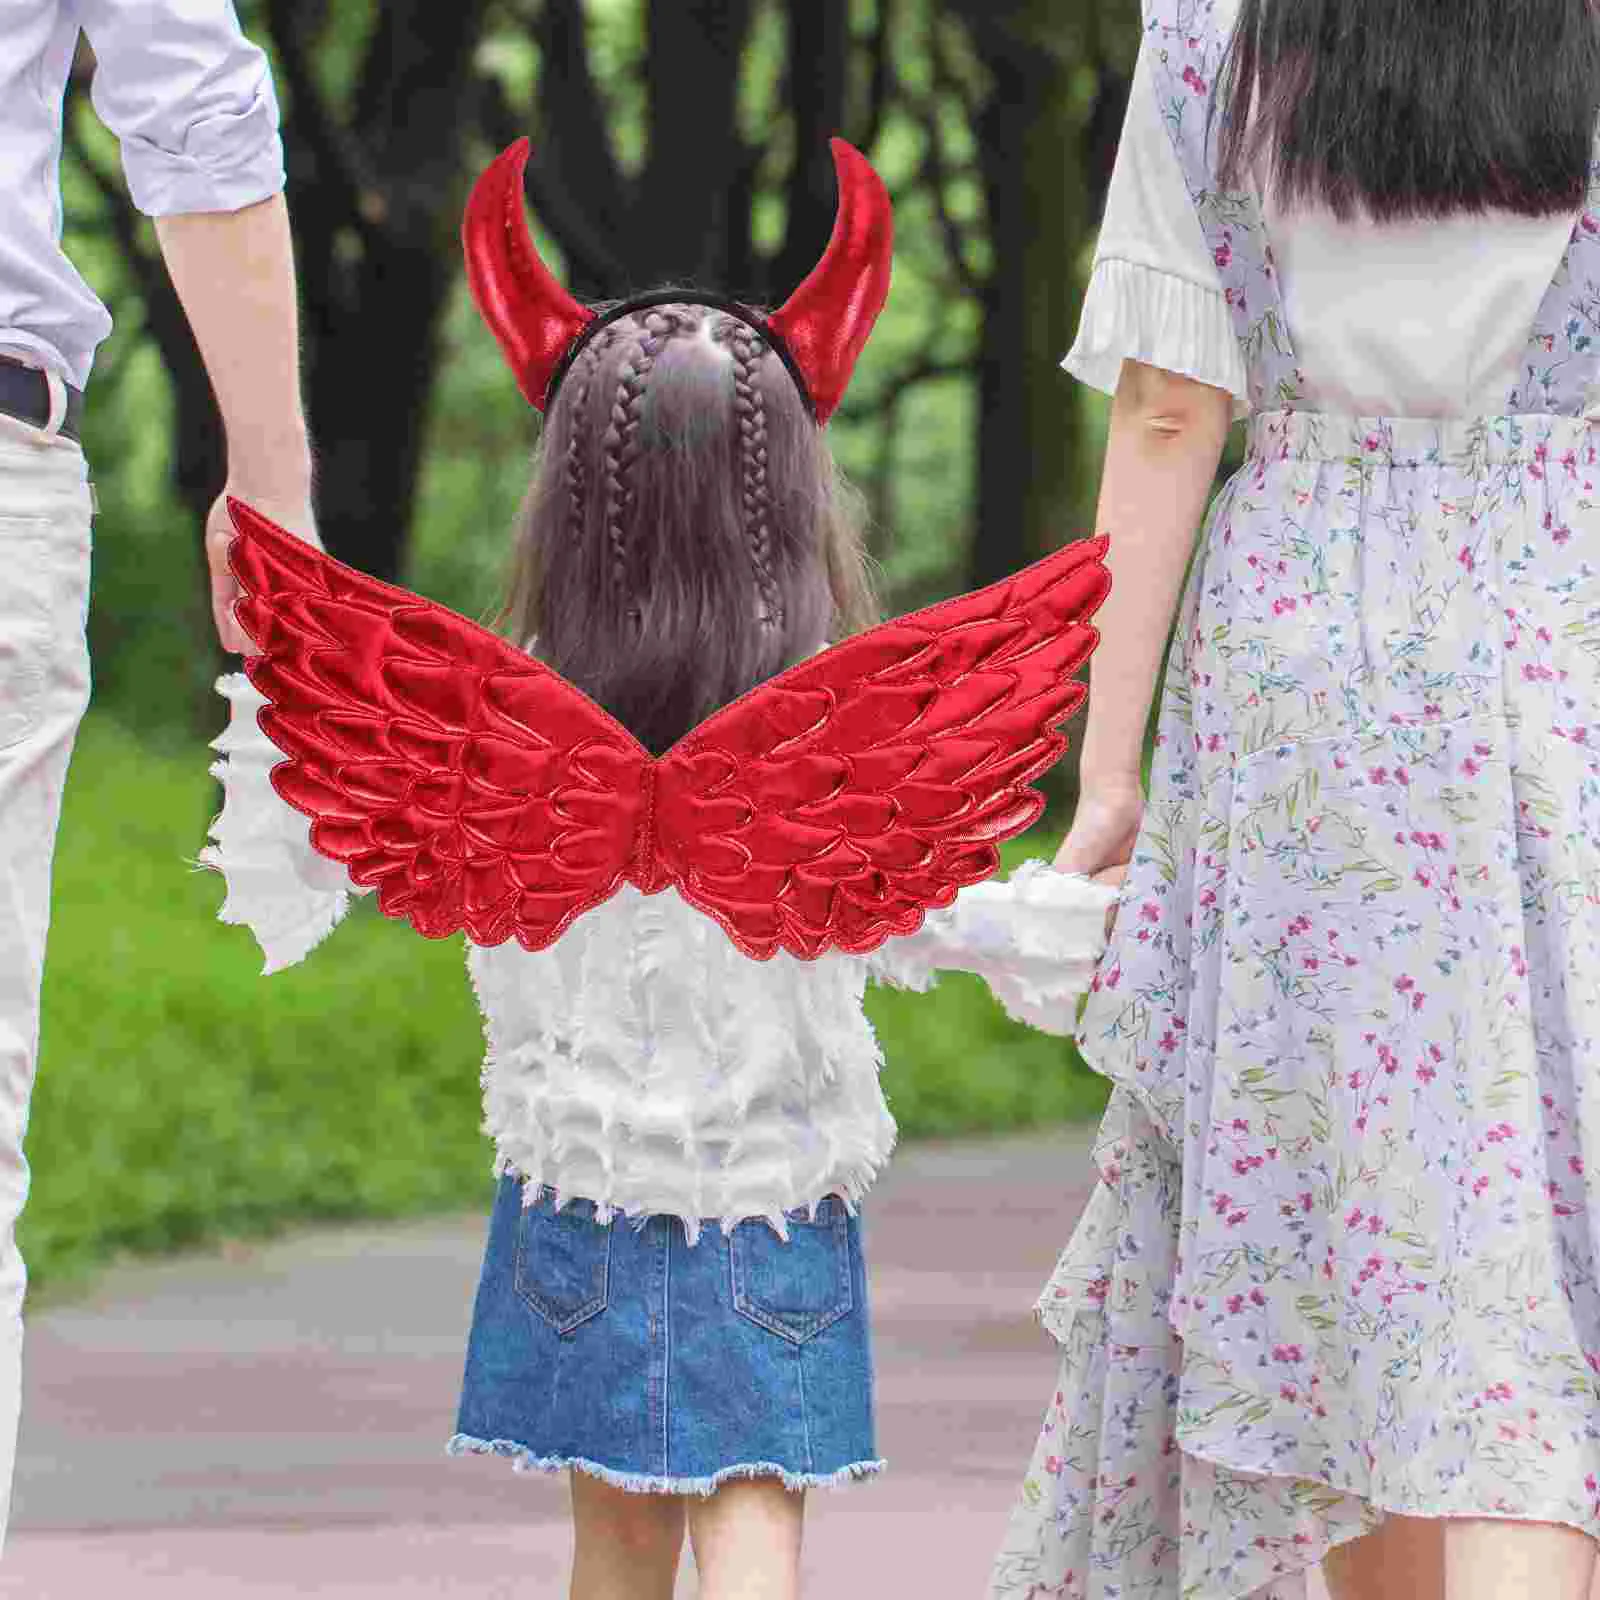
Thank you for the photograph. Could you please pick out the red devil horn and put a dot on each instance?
(532, 316)
(827, 321)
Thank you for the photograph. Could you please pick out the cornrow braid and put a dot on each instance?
(577, 474)
(620, 447)
(751, 410)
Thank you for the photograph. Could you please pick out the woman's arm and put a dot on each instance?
(1167, 434)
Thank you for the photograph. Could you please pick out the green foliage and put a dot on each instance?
(956, 1064)
(183, 1099)
(906, 435)
(179, 1097)
(915, 458)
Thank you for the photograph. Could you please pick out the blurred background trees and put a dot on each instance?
(675, 141)
(178, 1099)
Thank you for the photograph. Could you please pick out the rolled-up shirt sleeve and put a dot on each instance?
(1154, 295)
(190, 100)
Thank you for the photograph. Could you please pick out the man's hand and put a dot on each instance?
(220, 535)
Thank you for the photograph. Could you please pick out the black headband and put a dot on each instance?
(680, 297)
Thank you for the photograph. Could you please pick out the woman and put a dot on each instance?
(1336, 1296)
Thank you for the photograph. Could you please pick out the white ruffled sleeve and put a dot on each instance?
(288, 896)
(1034, 939)
(1154, 295)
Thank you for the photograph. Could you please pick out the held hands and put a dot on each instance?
(1100, 842)
(219, 537)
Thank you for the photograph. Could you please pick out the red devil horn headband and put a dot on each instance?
(820, 331)
(532, 316)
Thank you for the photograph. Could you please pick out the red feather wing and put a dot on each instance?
(837, 803)
(473, 787)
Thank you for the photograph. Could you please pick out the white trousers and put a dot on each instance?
(44, 687)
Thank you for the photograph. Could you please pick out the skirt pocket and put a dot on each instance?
(563, 1263)
(799, 1287)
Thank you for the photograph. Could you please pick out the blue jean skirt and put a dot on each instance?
(623, 1351)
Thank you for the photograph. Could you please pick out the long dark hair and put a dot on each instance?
(1424, 108)
(686, 535)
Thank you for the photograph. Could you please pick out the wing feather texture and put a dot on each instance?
(829, 808)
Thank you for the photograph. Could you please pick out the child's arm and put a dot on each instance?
(1035, 940)
(288, 896)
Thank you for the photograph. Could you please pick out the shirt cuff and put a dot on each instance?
(228, 162)
(278, 887)
(1138, 313)
(1035, 940)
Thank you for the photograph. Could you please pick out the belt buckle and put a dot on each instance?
(56, 388)
(58, 398)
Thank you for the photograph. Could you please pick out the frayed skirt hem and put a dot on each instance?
(525, 1460)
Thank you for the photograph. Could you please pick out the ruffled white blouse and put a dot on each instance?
(1417, 319)
(642, 1062)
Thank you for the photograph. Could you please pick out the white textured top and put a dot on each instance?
(191, 102)
(642, 1062)
(1421, 319)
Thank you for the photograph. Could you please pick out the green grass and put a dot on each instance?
(182, 1098)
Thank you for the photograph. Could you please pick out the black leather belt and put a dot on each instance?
(25, 395)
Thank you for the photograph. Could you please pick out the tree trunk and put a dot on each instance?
(368, 387)
(684, 230)
(575, 181)
(818, 76)
(1030, 465)
(687, 218)
(377, 212)
(1045, 157)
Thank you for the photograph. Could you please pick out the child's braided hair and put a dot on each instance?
(619, 449)
(686, 535)
(748, 348)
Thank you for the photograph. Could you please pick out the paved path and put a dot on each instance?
(270, 1422)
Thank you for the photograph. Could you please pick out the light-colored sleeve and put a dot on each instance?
(190, 100)
(1034, 939)
(279, 888)
(1154, 295)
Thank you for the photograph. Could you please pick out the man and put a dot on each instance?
(191, 102)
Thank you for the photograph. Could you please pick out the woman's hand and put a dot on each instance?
(1104, 828)
(1100, 842)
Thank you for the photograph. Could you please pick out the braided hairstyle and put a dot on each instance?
(619, 449)
(686, 535)
(750, 407)
(573, 457)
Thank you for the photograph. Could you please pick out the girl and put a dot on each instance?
(1337, 1295)
(673, 1300)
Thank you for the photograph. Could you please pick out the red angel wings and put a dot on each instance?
(829, 808)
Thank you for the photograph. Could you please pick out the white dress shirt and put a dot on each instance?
(190, 100)
(1415, 319)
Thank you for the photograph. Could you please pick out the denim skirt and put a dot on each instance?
(623, 1351)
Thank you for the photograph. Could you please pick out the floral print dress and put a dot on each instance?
(1343, 1256)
